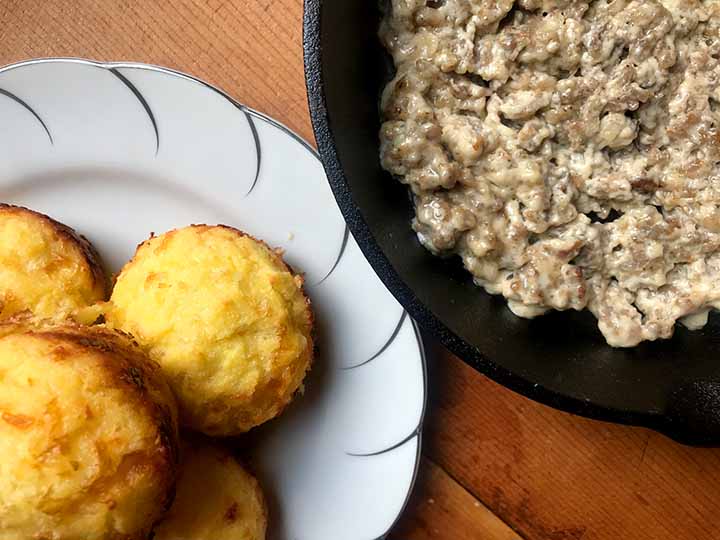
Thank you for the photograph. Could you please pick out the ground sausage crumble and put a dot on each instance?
(567, 151)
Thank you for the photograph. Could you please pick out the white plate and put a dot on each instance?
(119, 150)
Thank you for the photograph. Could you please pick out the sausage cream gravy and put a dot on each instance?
(567, 151)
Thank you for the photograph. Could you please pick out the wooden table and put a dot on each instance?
(496, 466)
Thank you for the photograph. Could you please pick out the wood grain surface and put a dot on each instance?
(497, 466)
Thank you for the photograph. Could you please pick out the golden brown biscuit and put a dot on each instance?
(216, 499)
(224, 317)
(45, 267)
(88, 435)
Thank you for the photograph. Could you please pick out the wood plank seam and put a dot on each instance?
(468, 489)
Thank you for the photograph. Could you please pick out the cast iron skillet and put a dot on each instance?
(559, 359)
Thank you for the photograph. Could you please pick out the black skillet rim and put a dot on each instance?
(312, 55)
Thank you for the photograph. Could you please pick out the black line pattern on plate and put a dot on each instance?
(307, 146)
(389, 342)
(284, 129)
(346, 236)
(243, 108)
(142, 101)
(418, 450)
(415, 433)
(251, 113)
(28, 108)
(258, 148)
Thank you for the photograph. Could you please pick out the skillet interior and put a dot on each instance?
(559, 359)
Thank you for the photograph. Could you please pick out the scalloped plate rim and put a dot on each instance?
(115, 65)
